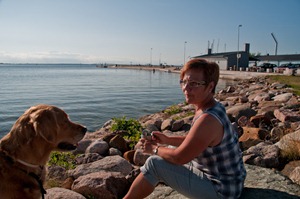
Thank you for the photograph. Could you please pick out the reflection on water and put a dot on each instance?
(90, 95)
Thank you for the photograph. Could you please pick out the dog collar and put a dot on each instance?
(29, 165)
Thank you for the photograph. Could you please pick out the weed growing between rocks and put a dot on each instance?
(63, 159)
(131, 127)
(172, 110)
(292, 151)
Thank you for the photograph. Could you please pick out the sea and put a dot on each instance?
(90, 95)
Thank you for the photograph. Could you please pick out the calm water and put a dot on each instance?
(90, 95)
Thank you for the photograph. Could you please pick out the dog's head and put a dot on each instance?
(54, 125)
(45, 125)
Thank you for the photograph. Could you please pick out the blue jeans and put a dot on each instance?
(185, 179)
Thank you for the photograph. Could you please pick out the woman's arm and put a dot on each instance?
(169, 140)
(206, 132)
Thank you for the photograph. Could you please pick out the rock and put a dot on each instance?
(276, 134)
(277, 85)
(61, 193)
(109, 163)
(260, 183)
(155, 126)
(241, 110)
(165, 192)
(67, 184)
(289, 167)
(98, 146)
(82, 146)
(109, 136)
(243, 99)
(268, 184)
(243, 121)
(293, 101)
(251, 137)
(283, 97)
(256, 87)
(268, 106)
(295, 175)
(140, 158)
(233, 98)
(261, 119)
(132, 175)
(88, 157)
(176, 125)
(287, 115)
(167, 124)
(290, 145)
(119, 143)
(262, 154)
(128, 155)
(56, 172)
(113, 151)
(261, 97)
(102, 184)
(230, 89)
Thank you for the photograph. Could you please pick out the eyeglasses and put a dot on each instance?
(192, 84)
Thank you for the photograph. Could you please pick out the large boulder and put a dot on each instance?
(283, 97)
(251, 137)
(284, 115)
(61, 193)
(102, 184)
(119, 143)
(268, 184)
(98, 146)
(109, 163)
(290, 145)
(263, 154)
(260, 183)
(238, 111)
(292, 171)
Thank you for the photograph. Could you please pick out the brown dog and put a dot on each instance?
(25, 150)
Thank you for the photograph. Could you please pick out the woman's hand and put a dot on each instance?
(159, 137)
(149, 146)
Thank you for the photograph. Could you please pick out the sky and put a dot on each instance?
(143, 31)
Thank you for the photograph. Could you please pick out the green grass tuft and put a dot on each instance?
(131, 127)
(291, 81)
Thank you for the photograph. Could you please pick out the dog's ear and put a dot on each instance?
(45, 124)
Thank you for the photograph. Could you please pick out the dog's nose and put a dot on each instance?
(84, 130)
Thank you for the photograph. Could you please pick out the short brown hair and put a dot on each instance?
(210, 70)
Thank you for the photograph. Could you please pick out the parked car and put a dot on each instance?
(267, 65)
(282, 67)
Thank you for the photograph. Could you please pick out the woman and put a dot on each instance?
(207, 162)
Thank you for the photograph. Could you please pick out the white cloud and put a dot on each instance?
(47, 57)
(62, 57)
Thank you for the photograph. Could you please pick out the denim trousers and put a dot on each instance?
(185, 179)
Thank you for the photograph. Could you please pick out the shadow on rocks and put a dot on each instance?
(250, 193)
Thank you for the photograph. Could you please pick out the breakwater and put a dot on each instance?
(266, 117)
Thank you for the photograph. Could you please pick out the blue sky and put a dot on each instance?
(141, 31)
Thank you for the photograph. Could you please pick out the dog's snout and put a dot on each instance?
(84, 130)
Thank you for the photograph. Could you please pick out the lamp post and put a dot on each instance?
(184, 46)
(151, 57)
(238, 51)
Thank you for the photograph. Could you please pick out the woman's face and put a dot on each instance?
(195, 89)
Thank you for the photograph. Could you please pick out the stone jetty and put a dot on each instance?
(266, 117)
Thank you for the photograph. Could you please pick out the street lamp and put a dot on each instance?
(238, 51)
(184, 52)
(151, 57)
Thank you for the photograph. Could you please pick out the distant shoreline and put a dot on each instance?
(224, 74)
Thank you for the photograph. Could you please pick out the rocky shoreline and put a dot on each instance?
(224, 74)
(266, 116)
